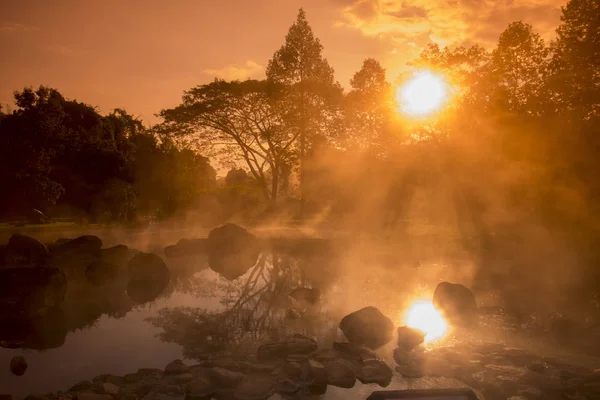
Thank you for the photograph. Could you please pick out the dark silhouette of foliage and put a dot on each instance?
(62, 154)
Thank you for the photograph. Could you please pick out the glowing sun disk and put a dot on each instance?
(424, 316)
(422, 94)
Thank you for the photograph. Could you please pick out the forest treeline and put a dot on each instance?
(516, 143)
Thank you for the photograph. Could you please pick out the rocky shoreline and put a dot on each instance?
(297, 368)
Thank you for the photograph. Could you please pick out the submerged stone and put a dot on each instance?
(296, 344)
(18, 365)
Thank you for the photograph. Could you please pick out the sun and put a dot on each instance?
(424, 93)
(422, 315)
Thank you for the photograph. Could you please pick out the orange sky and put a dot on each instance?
(141, 54)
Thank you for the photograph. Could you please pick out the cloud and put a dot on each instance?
(12, 27)
(249, 69)
(447, 22)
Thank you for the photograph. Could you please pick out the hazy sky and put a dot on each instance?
(141, 54)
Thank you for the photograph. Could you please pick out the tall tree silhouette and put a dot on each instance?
(312, 90)
(369, 109)
(576, 59)
(518, 69)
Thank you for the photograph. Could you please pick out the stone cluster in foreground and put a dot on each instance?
(293, 366)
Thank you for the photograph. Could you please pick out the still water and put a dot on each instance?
(106, 332)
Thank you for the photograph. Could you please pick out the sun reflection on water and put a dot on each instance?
(424, 316)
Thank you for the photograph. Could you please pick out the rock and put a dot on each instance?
(117, 255)
(232, 251)
(530, 393)
(176, 367)
(200, 388)
(590, 390)
(255, 388)
(293, 370)
(317, 388)
(401, 356)
(147, 266)
(410, 365)
(225, 378)
(368, 327)
(88, 244)
(340, 374)
(408, 372)
(317, 371)
(180, 379)
(115, 380)
(227, 364)
(37, 397)
(456, 302)
(537, 367)
(306, 295)
(110, 388)
(148, 277)
(130, 378)
(30, 291)
(354, 352)
(594, 376)
(409, 338)
(296, 344)
(101, 272)
(82, 386)
(326, 355)
(25, 251)
(261, 368)
(375, 372)
(18, 365)
(287, 387)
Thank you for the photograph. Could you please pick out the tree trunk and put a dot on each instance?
(274, 187)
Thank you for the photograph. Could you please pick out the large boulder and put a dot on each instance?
(30, 291)
(232, 251)
(117, 255)
(25, 251)
(456, 302)
(83, 244)
(368, 327)
(101, 273)
(149, 276)
(147, 266)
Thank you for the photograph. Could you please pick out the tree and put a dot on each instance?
(369, 109)
(517, 71)
(576, 60)
(312, 93)
(238, 121)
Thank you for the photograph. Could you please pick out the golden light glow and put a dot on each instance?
(424, 93)
(424, 316)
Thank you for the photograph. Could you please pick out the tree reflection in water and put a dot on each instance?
(252, 308)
